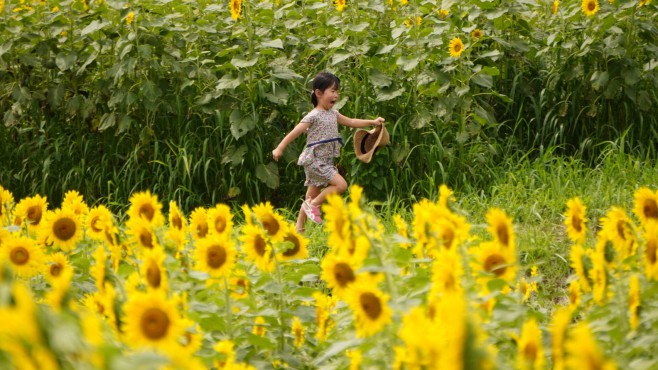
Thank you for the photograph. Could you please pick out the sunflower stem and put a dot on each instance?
(279, 278)
(228, 313)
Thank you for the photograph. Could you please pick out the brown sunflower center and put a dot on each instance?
(371, 305)
(621, 229)
(216, 256)
(295, 245)
(177, 222)
(530, 352)
(241, 286)
(495, 264)
(591, 5)
(271, 224)
(64, 228)
(34, 214)
(457, 48)
(577, 223)
(220, 224)
(19, 256)
(147, 211)
(154, 323)
(146, 239)
(650, 208)
(448, 237)
(343, 274)
(503, 234)
(153, 275)
(260, 245)
(56, 269)
(650, 250)
(573, 296)
(202, 230)
(96, 224)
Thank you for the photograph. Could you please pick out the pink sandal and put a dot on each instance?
(313, 212)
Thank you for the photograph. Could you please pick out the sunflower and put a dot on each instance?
(31, 210)
(140, 233)
(199, 227)
(23, 256)
(477, 33)
(239, 285)
(500, 226)
(76, 203)
(295, 245)
(63, 229)
(98, 270)
(456, 47)
(646, 205)
(589, 7)
(559, 325)
(56, 264)
(651, 251)
(599, 277)
(339, 272)
(369, 306)
(447, 272)
(644, 2)
(57, 296)
(102, 303)
(494, 261)
(6, 205)
(634, 301)
(215, 255)
(340, 5)
(574, 294)
(422, 342)
(273, 223)
(220, 219)
(297, 332)
(145, 206)
(236, 9)
(153, 270)
(581, 262)
(151, 320)
(619, 229)
(556, 6)
(256, 247)
(226, 350)
(575, 220)
(583, 352)
(337, 221)
(443, 13)
(530, 353)
(96, 220)
(259, 327)
(325, 306)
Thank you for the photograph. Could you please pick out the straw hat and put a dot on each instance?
(366, 142)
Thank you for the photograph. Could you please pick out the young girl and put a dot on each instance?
(322, 146)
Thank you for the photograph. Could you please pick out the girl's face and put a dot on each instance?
(327, 98)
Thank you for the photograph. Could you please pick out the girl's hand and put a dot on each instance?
(379, 121)
(276, 153)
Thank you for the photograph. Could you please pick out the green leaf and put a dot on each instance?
(483, 80)
(389, 93)
(379, 79)
(407, 64)
(55, 95)
(279, 96)
(107, 120)
(339, 57)
(93, 27)
(64, 60)
(631, 76)
(274, 44)
(461, 91)
(228, 82)
(359, 27)
(386, 49)
(269, 174)
(491, 71)
(599, 79)
(337, 43)
(284, 73)
(240, 124)
(336, 348)
(238, 62)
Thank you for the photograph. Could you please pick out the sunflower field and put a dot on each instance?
(81, 290)
(188, 98)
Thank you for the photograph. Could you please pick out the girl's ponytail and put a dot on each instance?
(314, 99)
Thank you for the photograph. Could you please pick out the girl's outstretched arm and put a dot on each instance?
(292, 135)
(356, 122)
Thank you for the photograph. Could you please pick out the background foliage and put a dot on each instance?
(111, 97)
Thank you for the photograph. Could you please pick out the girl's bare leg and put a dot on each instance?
(311, 192)
(336, 185)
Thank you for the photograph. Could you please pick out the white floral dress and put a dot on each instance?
(322, 146)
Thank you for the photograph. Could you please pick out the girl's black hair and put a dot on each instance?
(323, 81)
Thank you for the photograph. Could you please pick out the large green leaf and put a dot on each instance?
(241, 124)
(268, 174)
